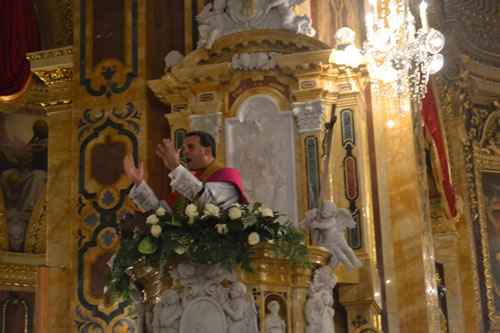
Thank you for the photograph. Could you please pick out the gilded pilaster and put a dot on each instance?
(55, 69)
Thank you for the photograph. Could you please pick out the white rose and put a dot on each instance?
(152, 219)
(191, 210)
(156, 230)
(221, 228)
(211, 209)
(234, 213)
(266, 212)
(161, 211)
(253, 238)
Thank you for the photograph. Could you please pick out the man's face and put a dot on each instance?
(196, 156)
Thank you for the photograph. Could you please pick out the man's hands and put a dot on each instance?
(135, 174)
(166, 151)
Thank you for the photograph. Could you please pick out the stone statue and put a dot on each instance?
(261, 61)
(318, 309)
(240, 310)
(167, 313)
(138, 299)
(331, 233)
(226, 17)
(290, 20)
(274, 324)
(172, 59)
(313, 310)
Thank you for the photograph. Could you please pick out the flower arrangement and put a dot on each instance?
(206, 234)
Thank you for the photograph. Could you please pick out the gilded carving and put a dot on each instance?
(17, 275)
(35, 240)
(49, 54)
(55, 76)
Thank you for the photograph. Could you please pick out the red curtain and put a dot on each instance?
(432, 124)
(18, 35)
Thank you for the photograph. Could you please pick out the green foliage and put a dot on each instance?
(207, 235)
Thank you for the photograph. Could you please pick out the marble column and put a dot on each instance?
(411, 290)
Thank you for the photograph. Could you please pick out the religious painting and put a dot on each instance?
(491, 211)
(23, 171)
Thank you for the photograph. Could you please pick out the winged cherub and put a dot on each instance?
(331, 233)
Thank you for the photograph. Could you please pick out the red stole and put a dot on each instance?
(214, 173)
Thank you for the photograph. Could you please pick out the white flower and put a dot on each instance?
(266, 211)
(221, 228)
(253, 238)
(156, 230)
(152, 219)
(234, 213)
(211, 210)
(161, 211)
(191, 210)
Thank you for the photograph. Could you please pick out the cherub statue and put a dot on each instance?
(211, 23)
(240, 310)
(167, 313)
(333, 223)
(313, 311)
(318, 309)
(290, 20)
(274, 324)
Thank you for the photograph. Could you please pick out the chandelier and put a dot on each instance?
(399, 58)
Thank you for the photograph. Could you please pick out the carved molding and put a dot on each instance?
(55, 76)
(309, 115)
(64, 51)
(210, 123)
(16, 275)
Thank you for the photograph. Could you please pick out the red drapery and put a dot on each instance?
(18, 35)
(432, 124)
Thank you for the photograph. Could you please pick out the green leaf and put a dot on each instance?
(173, 222)
(147, 246)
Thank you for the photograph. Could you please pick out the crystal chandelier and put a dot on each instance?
(399, 58)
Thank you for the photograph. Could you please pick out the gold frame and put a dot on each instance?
(485, 163)
(26, 312)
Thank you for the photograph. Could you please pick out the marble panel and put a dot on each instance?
(260, 143)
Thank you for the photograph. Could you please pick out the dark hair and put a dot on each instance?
(206, 140)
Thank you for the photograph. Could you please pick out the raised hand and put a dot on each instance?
(166, 151)
(135, 174)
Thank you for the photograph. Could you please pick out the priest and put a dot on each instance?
(204, 179)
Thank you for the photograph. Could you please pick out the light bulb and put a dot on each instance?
(382, 39)
(340, 57)
(353, 57)
(434, 41)
(436, 63)
(388, 73)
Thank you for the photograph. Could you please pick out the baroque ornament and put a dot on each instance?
(210, 123)
(225, 17)
(309, 115)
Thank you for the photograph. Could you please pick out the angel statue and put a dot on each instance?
(331, 233)
(240, 310)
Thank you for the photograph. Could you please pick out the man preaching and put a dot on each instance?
(205, 179)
